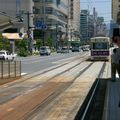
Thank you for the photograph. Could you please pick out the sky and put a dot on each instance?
(103, 8)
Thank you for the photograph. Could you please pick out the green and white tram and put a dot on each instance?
(100, 48)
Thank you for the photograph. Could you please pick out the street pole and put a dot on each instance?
(43, 5)
(67, 34)
(56, 35)
(29, 32)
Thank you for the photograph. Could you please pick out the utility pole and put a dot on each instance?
(29, 31)
(43, 6)
(56, 32)
(66, 26)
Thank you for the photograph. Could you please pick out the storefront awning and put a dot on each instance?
(14, 36)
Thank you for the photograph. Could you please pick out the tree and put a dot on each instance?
(49, 42)
(4, 43)
(23, 48)
(39, 43)
(23, 44)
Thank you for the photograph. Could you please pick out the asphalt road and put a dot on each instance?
(37, 63)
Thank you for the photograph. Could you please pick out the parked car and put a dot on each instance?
(64, 50)
(76, 49)
(45, 50)
(5, 55)
(59, 50)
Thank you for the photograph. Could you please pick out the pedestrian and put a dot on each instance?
(115, 59)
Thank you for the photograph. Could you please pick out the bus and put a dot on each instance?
(100, 48)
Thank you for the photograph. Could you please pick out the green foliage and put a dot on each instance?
(23, 44)
(53, 49)
(39, 43)
(49, 42)
(23, 52)
(36, 53)
(23, 48)
(4, 43)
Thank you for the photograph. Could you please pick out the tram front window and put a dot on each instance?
(98, 46)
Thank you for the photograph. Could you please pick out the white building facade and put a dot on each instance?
(115, 9)
(74, 20)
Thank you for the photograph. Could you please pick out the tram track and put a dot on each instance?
(25, 90)
(55, 94)
(56, 90)
(39, 108)
(27, 77)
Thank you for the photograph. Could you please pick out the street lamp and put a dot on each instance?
(29, 32)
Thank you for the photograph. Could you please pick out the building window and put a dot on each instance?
(119, 7)
(48, 10)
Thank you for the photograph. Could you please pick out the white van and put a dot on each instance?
(45, 50)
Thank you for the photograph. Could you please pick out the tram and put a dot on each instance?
(100, 48)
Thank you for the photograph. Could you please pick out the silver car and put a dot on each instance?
(64, 50)
(45, 50)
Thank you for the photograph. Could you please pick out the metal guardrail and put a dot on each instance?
(10, 69)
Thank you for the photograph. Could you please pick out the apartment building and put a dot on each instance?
(14, 9)
(115, 9)
(86, 25)
(53, 15)
(74, 20)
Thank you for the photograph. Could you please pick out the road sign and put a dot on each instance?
(20, 34)
(40, 25)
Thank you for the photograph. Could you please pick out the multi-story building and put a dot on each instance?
(115, 9)
(56, 18)
(113, 25)
(52, 16)
(74, 20)
(101, 26)
(15, 9)
(86, 25)
(18, 18)
(90, 26)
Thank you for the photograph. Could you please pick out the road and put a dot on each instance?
(37, 63)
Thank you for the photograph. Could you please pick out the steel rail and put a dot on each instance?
(39, 84)
(27, 77)
(50, 98)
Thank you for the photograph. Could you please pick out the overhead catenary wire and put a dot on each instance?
(96, 2)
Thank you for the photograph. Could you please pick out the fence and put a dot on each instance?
(10, 69)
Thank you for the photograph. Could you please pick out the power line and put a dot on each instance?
(96, 2)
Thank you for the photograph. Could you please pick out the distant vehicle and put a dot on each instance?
(75, 49)
(86, 47)
(5, 55)
(100, 48)
(45, 50)
(64, 50)
(59, 50)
